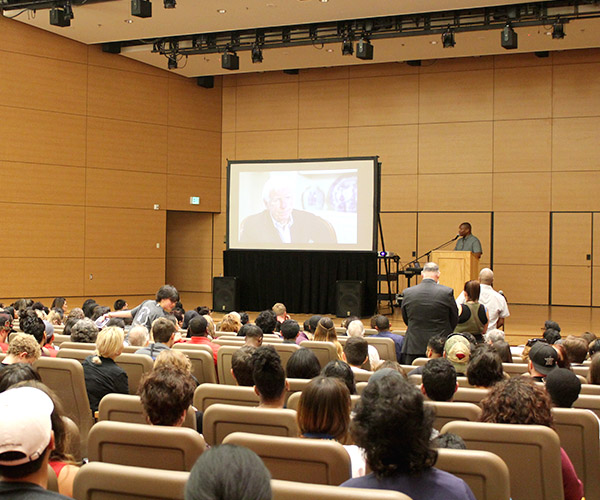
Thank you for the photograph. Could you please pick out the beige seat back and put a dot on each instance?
(78, 345)
(324, 351)
(196, 347)
(131, 349)
(316, 461)
(155, 446)
(447, 412)
(209, 394)
(360, 387)
(230, 341)
(294, 400)
(97, 480)
(285, 352)
(296, 385)
(136, 365)
(203, 365)
(514, 369)
(581, 370)
(78, 354)
(385, 347)
(52, 480)
(578, 433)
(420, 361)
(220, 420)
(65, 377)
(59, 338)
(470, 395)
(224, 355)
(588, 401)
(290, 490)
(591, 389)
(531, 452)
(485, 473)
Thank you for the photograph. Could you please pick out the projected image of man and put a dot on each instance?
(280, 222)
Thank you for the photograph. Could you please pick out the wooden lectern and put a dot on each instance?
(456, 268)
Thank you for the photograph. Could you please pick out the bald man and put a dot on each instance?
(494, 302)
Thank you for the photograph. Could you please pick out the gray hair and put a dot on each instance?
(356, 328)
(431, 267)
(85, 330)
(493, 335)
(138, 336)
(276, 183)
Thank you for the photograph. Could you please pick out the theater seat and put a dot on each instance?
(209, 394)
(294, 400)
(324, 351)
(288, 490)
(203, 365)
(447, 412)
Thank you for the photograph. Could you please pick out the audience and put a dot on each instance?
(355, 328)
(472, 316)
(266, 321)
(175, 360)
(551, 336)
(439, 380)
(163, 333)
(543, 358)
(23, 348)
(435, 349)
(563, 386)
(15, 373)
(253, 335)
(382, 325)
(457, 350)
(269, 377)
(289, 330)
(241, 365)
(138, 336)
(576, 349)
(325, 332)
(340, 369)
(593, 348)
(84, 331)
(594, 372)
(303, 364)
(199, 335)
(356, 352)
(485, 368)
(503, 349)
(230, 323)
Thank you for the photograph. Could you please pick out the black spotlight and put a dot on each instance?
(347, 48)
(509, 39)
(170, 4)
(59, 16)
(230, 60)
(448, 40)
(364, 50)
(558, 30)
(141, 8)
(257, 55)
(172, 61)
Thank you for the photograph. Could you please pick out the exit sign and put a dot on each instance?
(194, 200)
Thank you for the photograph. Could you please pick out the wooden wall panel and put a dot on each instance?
(571, 239)
(517, 290)
(43, 230)
(322, 74)
(456, 96)
(96, 57)
(217, 267)
(191, 300)
(181, 187)
(229, 107)
(125, 95)
(455, 147)
(267, 107)
(522, 145)
(323, 104)
(510, 245)
(190, 274)
(193, 106)
(323, 143)
(189, 235)
(455, 192)
(63, 88)
(120, 188)
(381, 69)
(398, 193)
(219, 234)
(527, 59)
(571, 285)
(126, 145)
(124, 233)
(596, 288)
(399, 234)
(270, 145)
(596, 240)
(523, 93)
(268, 78)
(123, 276)
(41, 276)
(458, 64)
(576, 90)
(575, 143)
(194, 152)
(396, 146)
(53, 184)
(522, 192)
(34, 137)
(575, 191)
(385, 100)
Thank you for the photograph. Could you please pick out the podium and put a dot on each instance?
(456, 268)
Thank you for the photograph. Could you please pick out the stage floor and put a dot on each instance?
(524, 322)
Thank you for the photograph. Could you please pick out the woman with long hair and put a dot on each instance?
(325, 332)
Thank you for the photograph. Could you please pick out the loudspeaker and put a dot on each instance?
(230, 61)
(111, 47)
(208, 82)
(349, 298)
(226, 293)
(364, 50)
(141, 8)
(509, 39)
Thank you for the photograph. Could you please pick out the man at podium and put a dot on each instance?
(467, 242)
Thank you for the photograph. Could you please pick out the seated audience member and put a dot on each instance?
(324, 413)
(356, 351)
(485, 368)
(493, 335)
(15, 373)
(244, 318)
(551, 324)
(593, 373)
(266, 321)
(457, 350)
(383, 325)
(563, 386)
(187, 317)
(503, 349)
(281, 312)
(230, 323)
(593, 348)
(393, 426)
(118, 322)
(325, 332)
(178, 314)
(519, 400)
(49, 347)
(75, 313)
(435, 349)
(289, 330)
(23, 348)
(120, 305)
(450, 441)
(174, 360)
(563, 359)
(269, 377)
(5, 330)
(311, 324)
(88, 307)
(229, 472)
(303, 364)
(31, 324)
(589, 337)
(166, 394)
(543, 358)
(253, 335)
(551, 336)
(199, 335)
(355, 328)
(138, 336)
(439, 380)
(84, 331)
(576, 349)
(98, 312)
(241, 365)
(59, 303)
(472, 316)
(102, 374)
(341, 369)
(210, 326)
(388, 364)
(163, 333)
(26, 441)
(55, 317)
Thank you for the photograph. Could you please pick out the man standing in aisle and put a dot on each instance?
(467, 242)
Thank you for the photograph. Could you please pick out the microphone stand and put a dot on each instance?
(427, 254)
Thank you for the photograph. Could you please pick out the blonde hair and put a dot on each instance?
(230, 323)
(55, 318)
(210, 325)
(23, 342)
(109, 343)
(279, 309)
(325, 332)
(173, 359)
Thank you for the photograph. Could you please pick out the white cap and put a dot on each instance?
(25, 424)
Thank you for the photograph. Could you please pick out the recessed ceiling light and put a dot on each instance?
(433, 42)
(221, 11)
(324, 1)
(128, 21)
(329, 50)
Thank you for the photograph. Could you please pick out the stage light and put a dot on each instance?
(448, 40)
(61, 16)
(347, 48)
(257, 55)
(509, 38)
(230, 60)
(558, 30)
(364, 50)
(172, 62)
(141, 8)
(170, 4)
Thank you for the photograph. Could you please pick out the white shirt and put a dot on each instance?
(284, 229)
(374, 359)
(494, 302)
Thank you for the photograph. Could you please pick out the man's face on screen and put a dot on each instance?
(280, 204)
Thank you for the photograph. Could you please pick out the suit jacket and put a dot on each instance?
(307, 228)
(428, 309)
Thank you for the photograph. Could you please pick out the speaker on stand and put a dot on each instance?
(349, 298)
(226, 293)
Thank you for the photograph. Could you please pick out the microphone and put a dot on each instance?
(455, 238)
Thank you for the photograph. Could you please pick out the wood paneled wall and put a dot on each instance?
(459, 139)
(89, 143)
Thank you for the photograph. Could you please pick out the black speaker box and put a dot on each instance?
(141, 8)
(349, 298)
(226, 294)
(111, 47)
(230, 61)
(364, 50)
(207, 82)
(509, 39)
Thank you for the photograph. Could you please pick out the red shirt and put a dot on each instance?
(3, 347)
(206, 341)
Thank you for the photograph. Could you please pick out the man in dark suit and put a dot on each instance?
(428, 309)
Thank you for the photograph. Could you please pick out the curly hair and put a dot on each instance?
(517, 400)
(24, 343)
(230, 323)
(268, 373)
(485, 368)
(84, 331)
(266, 321)
(166, 394)
(393, 426)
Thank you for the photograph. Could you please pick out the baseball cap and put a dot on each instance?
(544, 357)
(458, 352)
(26, 425)
(551, 324)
